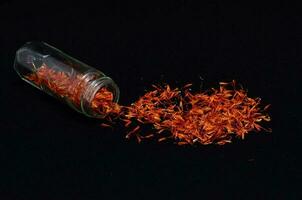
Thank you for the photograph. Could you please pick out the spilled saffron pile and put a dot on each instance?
(212, 116)
(187, 118)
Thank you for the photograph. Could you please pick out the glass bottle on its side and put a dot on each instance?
(69, 80)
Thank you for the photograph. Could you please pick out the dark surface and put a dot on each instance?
(49, 150)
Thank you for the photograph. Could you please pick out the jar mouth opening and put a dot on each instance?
(108, 83)
(93, 87)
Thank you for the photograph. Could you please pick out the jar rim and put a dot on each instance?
(92, 88)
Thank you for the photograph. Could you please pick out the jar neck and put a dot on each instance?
(92, 88)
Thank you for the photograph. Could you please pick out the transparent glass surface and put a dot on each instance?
(62, 76)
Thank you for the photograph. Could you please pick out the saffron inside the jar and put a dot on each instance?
(72, 87)
(208, 117)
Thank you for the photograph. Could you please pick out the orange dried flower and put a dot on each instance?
(187, 118)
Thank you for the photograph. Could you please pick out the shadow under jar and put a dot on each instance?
(64, 77)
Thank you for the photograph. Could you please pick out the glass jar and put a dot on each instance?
(64, 77)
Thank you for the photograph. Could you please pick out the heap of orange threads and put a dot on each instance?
(209, 117)
(72, 87)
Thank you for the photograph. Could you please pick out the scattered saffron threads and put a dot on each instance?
(213, 116)
(209, 117)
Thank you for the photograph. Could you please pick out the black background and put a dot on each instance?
(49, 150)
